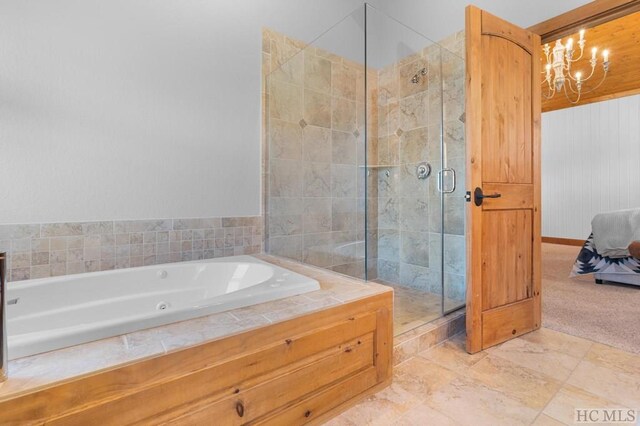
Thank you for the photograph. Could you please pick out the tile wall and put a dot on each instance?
(411, 119)
(53, 249)
(314, 144)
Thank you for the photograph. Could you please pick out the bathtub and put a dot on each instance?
(53, 313)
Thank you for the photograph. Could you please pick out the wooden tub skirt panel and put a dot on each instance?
(304, 370)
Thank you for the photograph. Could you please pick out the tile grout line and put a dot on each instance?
(457, 373)
(591, 343)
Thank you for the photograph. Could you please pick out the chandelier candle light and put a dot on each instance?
(561, 59)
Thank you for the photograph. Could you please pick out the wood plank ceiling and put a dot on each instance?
(622, 38)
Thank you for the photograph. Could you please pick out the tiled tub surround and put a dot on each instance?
(53, 249)
(411, 118)
(315, 142)
(38, 371)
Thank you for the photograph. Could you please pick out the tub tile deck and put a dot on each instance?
(37, 371)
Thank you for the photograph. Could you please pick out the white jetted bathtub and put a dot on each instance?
(53, 313)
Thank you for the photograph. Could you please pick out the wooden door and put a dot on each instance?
(503, 139)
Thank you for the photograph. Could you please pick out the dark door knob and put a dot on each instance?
(478, 196)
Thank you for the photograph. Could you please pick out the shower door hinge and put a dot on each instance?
(467, 197)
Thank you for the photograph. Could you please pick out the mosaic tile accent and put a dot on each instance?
(53, 249)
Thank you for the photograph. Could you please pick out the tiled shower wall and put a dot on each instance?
(53, 249)
(314, 151)
(314, 155)
(409, 209)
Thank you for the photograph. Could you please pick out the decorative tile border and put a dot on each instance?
(53, 249)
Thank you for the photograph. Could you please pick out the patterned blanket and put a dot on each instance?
(589, 262)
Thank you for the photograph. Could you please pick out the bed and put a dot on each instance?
(625, 270)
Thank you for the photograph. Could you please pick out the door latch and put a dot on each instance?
(478, 196)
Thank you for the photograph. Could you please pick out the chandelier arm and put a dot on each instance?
(593, 70)
(544, 69)
(572, 78)
(551, 93)
(571, 86)
(568, 98)
(549, 57)
(582, 79)
(578, 58)
(599, 84)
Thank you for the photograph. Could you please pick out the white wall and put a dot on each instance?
(590, 164)
(121, 109)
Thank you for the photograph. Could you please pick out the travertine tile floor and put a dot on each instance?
(536, 379)
(413, 308)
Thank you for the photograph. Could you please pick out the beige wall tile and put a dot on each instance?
(343, 80)
(285, 140)
(317, 108)
(285, 101)
(343, 114)
(317, 73)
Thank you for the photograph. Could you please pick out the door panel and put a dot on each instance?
(503, 140)
(506, 257)
(506, 105)
(521, 196)
(507, 322)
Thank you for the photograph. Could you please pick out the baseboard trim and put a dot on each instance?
(563, 241)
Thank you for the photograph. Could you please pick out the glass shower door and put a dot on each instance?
(364, 159)
(405, 146)
(453, 173)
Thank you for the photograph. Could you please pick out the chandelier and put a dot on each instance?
(560, 60)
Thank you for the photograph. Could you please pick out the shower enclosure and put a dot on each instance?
(364, 158)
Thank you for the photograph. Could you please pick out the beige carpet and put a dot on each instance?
(607, 314)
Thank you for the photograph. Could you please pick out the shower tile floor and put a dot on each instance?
(413, 308)
(539, 378)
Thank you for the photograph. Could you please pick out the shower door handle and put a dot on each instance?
(441, 174)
